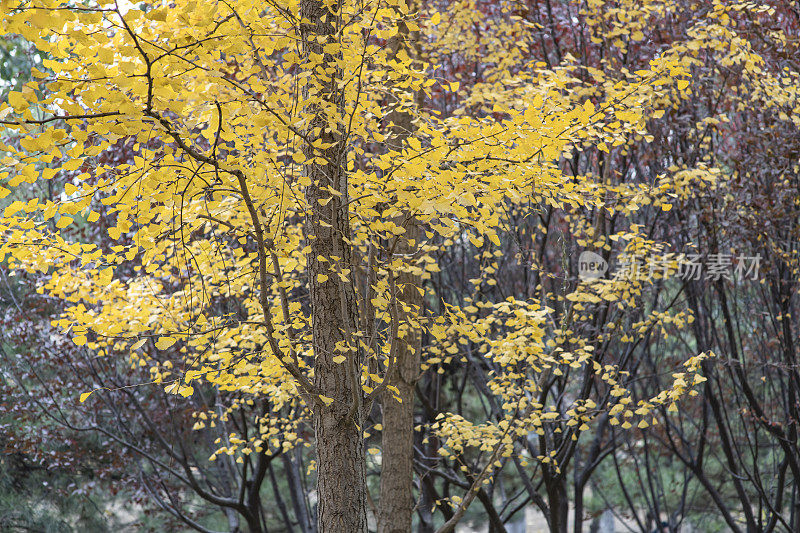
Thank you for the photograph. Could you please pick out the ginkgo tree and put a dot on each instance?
(262, 175)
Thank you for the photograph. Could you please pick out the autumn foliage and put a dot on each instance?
(268, 225)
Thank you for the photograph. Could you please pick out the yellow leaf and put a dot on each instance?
(63, 222)
(683, 84)
(339, 359)
(322, 278)
(325, 399)
(17, 101)
(164, 343)
(666, 207)
(436, 18)
(138, 344)
(13, 208)
(85, 395)
(477, 242)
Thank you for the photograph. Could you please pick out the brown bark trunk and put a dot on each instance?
(341, 467)
(397, 438)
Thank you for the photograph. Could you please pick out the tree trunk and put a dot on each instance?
(341, 466)
(397, 438)
(396, 505)
(558, 502)
(428, 495)
(577, 526)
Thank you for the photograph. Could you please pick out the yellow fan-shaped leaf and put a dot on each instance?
(164, 342)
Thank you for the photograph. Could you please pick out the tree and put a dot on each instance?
(261, 177)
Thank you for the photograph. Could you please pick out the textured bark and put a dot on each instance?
(397, 438)
(341, 467)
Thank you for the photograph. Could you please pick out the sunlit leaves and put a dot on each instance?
(208, 216)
